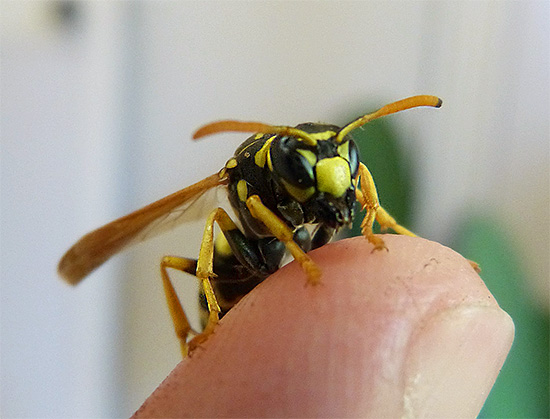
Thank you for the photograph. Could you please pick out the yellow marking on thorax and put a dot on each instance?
(250, 145)
(222, 245)
(333, 176)
(261, 156)
(269, 164)
(231, 163)
(242, 190)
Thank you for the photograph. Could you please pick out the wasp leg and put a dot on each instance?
(283, 233)
(179, 319)
(205, 271)
(237, 276)
(368, 198)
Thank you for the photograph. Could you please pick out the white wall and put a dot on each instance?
(60, 133)
(96, 120)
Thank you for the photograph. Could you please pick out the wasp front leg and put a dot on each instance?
(368, 198)
(283, 233)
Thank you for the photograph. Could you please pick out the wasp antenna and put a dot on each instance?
(295, 132)
(400, 105)
(240, 126)
(230, 126)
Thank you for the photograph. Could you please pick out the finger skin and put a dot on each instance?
(408, 332)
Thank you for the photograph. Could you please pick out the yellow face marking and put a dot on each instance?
(343, 150)
(261, 156)
(301, 195)
(333, 176)
(231, 163)
(309, 155)
(242, 190)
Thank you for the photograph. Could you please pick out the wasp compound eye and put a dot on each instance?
(353, 158)
(348, 151)
(293, 164)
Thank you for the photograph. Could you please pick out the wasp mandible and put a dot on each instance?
(278, 181)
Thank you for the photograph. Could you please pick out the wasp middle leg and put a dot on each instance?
(228, 269)
(203, 270)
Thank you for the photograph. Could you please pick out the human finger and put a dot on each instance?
(411, 332)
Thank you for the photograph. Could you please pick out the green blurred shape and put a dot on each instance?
(521, 390)
(381, 152)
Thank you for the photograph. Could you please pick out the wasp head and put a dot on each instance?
(317, 173)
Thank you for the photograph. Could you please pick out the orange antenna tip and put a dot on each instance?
(400, 105)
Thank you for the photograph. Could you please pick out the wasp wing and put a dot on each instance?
(99, 245)
(196, 208)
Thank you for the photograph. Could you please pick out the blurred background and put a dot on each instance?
(98, 103)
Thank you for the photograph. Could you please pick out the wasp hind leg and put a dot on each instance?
(368, 198)
(181, 324)
(179, 319)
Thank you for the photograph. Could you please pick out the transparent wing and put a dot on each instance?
(195, 209)
(98, 246)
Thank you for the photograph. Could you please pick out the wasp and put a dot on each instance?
(280, 180)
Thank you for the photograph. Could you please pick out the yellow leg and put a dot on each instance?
(283, 233)
(205, 271)
(181, 324)
(368, 198)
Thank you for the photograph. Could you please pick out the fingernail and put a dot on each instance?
(454, 360)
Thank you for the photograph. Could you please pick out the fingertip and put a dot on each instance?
(348, 347)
